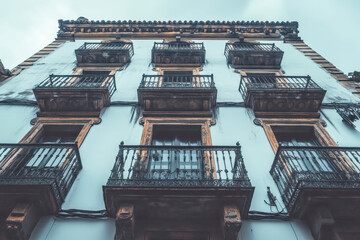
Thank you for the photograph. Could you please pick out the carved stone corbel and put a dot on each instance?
(231, 222)
(322, 224)
(125, 222)
(4, 73)
(21, 221)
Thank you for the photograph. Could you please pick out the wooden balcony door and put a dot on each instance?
(173, 163)
(46, 157)
(313, 160)
(177, 79)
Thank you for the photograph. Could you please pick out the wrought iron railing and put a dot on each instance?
(112, 46)
(271, 82)
(349, 112)
(314, 167)
(354, 76)
(179, 166)
(250, 47)
(178, 46)
(36, 164)
(86, 81)
(177, 81)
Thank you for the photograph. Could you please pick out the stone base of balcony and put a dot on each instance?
(257, 60)
(341, 198)
(190, 65)
(102, 58)
(243, 66)
(176, 59)
(94, 114)
(287, 114)
(71, 102)
(177, 114)
(191, 103)
(285, 102)
(181, 213)
(102, 65)
(331, 213)
(346, 230)
(42, 195)
(177, 102)
(177, 203)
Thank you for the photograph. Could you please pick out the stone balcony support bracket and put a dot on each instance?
(125, 222)
(21, 221)
(231, 222)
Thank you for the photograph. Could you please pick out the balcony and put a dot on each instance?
(309, 177)
(34, 181)
(281, 96)
(177, 183)
(253, 55)
(74, 95)
(178, 54)
(113, 54)
(189, 95)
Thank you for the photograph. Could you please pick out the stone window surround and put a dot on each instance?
(39, 123)
(318, 125)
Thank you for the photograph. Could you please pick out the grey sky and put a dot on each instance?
(331, 27)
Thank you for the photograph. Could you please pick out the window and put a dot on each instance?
(295, 132)
(50, 156)
(151, 123)
(52, 131)
(59, 130)
(177, 163)
(304, 145)
(169, 161)
(296, 136)
(301, 157)
(177, 79)
(59, 134)
(93, 78)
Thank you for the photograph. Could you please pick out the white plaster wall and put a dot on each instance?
(343, 134)
(15, 122)
(60, 61)
(50, 228)
(100, 147)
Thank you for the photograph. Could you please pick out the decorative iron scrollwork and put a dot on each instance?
(349, 112)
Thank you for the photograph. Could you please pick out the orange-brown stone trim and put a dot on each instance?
(31, 60)
(83, 28)
(321, 134)
(36, 130)
(336, 73)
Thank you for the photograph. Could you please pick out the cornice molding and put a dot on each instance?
(82, 27)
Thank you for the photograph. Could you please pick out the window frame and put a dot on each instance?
(205, 123)
(318, 125)
(40, 123)
(149, 122)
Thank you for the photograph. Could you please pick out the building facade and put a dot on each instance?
(179, 130)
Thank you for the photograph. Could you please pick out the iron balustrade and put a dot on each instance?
(314, 167)
(178, 46)
(179, 166)
(112, 46)
(37, 164)
(86, 81)
(349, 112)
(354, 76)
(177, 81)
(250, 47)
(271, 82)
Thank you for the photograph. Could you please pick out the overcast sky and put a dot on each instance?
(331, 27)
